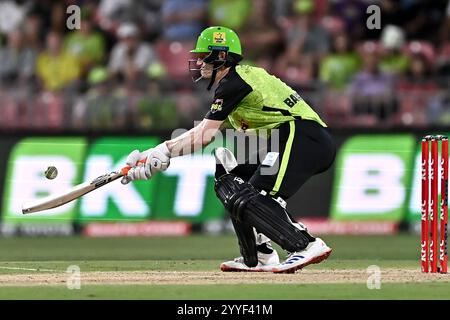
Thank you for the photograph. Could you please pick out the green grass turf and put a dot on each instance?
(188, 253)
(434, 291)
(401, 247)
(205, 253)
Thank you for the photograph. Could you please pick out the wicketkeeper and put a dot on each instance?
(249, 99)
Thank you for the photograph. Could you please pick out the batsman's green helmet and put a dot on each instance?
(218, 38)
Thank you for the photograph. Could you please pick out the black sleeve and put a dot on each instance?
(231, 90)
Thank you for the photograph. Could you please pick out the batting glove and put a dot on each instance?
(145, 164)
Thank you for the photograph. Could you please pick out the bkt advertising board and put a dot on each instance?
(376, 177)
(182, 192)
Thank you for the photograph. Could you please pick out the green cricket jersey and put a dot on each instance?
(252, 99)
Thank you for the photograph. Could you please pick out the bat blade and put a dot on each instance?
(77, 191)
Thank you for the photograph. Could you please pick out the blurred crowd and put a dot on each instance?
(125, 67)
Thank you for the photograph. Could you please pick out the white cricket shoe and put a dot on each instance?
(315, 252)
(266, 262)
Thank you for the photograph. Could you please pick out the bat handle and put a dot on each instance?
(124, 170)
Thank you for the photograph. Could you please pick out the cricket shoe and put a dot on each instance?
(315, 252)
(266, 263)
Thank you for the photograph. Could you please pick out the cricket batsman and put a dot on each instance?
(250, 99)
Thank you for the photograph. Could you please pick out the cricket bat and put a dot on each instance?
(77, 191)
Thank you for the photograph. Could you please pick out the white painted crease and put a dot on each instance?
(28, 269)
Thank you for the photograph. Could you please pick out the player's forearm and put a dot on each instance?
(187, 143)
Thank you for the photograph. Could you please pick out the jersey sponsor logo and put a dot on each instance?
(216, 106)
(244, 124)
(219, 37)
(292, 99)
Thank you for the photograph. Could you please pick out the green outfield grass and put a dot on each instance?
(235, 292)
(401, 247)
(204, 253)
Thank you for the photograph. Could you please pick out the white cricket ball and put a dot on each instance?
(51, 172)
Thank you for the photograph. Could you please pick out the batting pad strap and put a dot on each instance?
(260, 238)
(280, 200)
(269, 218)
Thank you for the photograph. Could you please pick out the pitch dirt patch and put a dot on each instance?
(208, 277)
